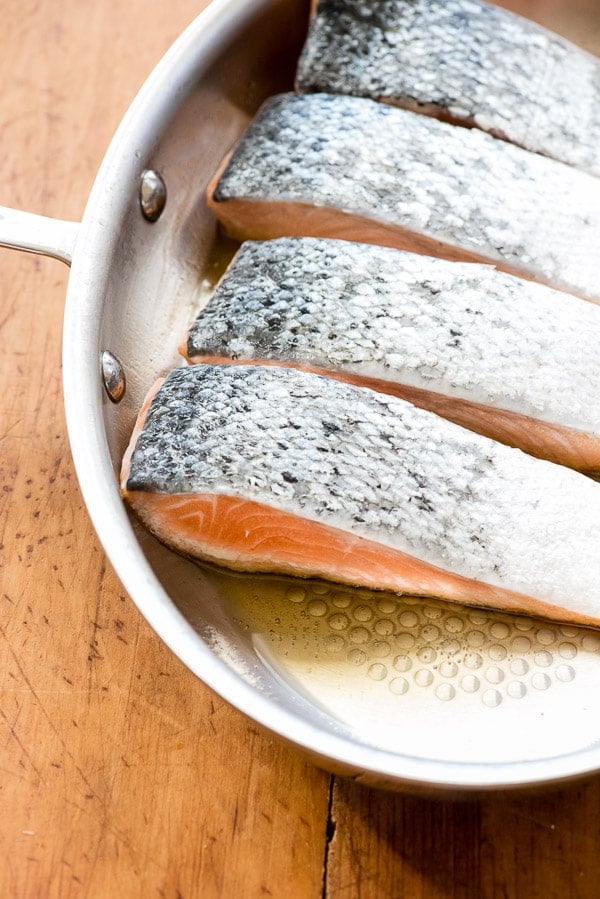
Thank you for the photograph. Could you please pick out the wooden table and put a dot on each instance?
(120, 773)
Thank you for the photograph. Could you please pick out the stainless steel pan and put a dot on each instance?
(395, 691)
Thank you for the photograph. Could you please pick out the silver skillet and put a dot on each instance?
(396, 691)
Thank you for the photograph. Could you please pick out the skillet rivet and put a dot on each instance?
(153, 195)
(113, 376)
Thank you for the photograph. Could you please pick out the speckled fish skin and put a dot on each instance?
(376, 467)
(460, 329)
(471, 62)
(485, 199)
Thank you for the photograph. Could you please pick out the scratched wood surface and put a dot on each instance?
(120, 773)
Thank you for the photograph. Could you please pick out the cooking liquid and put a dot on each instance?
(417, 676)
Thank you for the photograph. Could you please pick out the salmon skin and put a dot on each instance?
(278, 470)
(319, 165)
(506, 357)
(463, 61)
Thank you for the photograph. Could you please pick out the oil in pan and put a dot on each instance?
(421, 677)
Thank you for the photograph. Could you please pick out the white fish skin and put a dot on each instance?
(375, 468)
(464, 61)
(462, 330)
(335, 166)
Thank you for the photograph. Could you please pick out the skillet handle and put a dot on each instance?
(37, 234)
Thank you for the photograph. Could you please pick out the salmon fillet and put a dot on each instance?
(508, 358)
(463, 61)
(283, 471)
(319, 165)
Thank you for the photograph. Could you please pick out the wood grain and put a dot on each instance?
(498, 847)
(120, 773)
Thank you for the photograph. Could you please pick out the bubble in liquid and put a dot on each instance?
(565, 673)
(387, 606)
(427, 654)
(519, 667)
(384, 627)
(448, 669)
(402, 663)
(378, 671)
(359, 635)
(333, 643)
(473, 661)
(430, 633)
(409, 619)
(475, 638)
(494, 675)
(432, 612)
(543, 659)
(521, 644)
(567, 650)
(320, 589)
(454, 625)
(523, 624)
(423, 677)
(405, 641)
(363, 613)
(399, 686)
(540, 681)
(470, 683)
(516, 689)
(338, 622)
(296, 594)
(497, 652)
(500, 630)
(445, 692)
(491, 698)
(591, 642)
(567, 630)
(545, 636)
(357, 657)
(341, 600)
(317, 608)
(380, 649)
